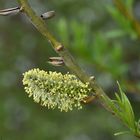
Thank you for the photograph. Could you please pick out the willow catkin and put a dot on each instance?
(55, 90)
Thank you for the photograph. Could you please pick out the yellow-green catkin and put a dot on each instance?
(55, 90)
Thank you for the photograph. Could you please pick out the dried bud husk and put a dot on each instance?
(10, 11)
(56, 61)
(48, 15)
(55, 90)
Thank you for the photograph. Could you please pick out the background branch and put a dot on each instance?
(136, 25)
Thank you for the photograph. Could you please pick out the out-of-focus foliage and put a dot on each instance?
(104, 44)
(94, 49)
(124, 23)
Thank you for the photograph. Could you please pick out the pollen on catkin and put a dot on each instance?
(55, 90)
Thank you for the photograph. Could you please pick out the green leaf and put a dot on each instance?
(129, 116)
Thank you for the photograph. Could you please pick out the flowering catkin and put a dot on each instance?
(54, 89)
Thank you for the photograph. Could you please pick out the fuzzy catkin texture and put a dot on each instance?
(55, 90)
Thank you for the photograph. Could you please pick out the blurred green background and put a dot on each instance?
(103, 42)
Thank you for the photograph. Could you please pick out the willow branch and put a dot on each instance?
(69, 61)
(67, 57)
(63, 52)
(59, 48)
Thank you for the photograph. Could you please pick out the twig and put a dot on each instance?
(59, 48)
(69, 61)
